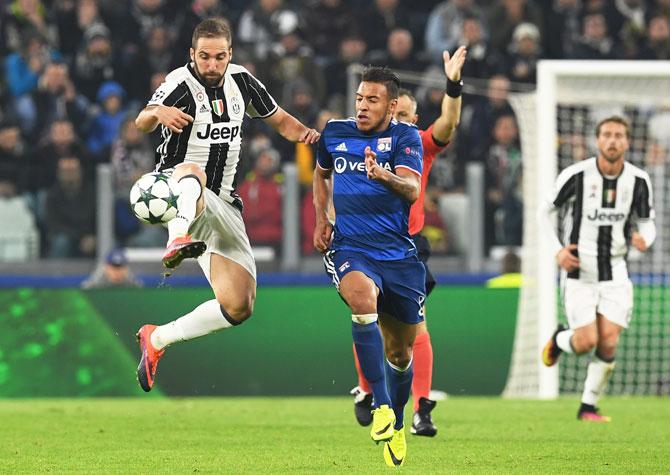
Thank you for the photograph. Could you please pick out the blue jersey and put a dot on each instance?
(370, 218)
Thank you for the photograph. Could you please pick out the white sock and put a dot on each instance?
(203, 320)
(189, 193)
(563, 341)
(597, 376)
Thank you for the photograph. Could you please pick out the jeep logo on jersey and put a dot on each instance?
(219, 132)
(605, 216)
(340, 164)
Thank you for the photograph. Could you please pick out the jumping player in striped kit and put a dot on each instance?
(200, 109)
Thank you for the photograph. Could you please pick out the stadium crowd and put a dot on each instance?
(75, 73)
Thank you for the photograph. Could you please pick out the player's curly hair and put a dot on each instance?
(212, 28)
(383, 76)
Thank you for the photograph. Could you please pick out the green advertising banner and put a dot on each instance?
(298, 342)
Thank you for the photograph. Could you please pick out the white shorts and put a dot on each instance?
(583, 300)
(220, 225)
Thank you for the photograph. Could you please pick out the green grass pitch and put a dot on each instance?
(317, 435)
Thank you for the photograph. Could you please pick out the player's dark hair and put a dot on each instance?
(616, 119)
(406, 92)
(212, 28)
(383, 76)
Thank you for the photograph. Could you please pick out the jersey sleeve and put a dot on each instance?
(565, 188)
(170, 93)
(430, 147)
(323, 157)
(261, 103)
(643, 205)
(409, 151)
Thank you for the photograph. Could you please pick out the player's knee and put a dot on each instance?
(585, 342)
(239, 309)
(184, 169)
(400, 358)
(361, 303)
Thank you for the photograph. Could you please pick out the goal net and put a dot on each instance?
(557, 128)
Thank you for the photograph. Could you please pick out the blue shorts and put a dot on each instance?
(402, 289)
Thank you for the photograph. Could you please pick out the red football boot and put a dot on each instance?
(150, 357)
(182, 248)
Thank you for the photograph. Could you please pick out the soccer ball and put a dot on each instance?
(153, 198)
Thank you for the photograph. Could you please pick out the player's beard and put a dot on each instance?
(211, 80)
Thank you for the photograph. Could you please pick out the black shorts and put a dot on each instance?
(423, 249)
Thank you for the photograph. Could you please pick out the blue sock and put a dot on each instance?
(400, 386)
(370, 350)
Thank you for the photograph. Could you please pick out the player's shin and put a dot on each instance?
(370, 350)
(190, 191)
(400, 386)
(597, 376)
(206, 318)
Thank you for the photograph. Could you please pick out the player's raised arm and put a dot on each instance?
(291, 128)
(450, 116)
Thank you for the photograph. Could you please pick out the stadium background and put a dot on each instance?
(75, 73)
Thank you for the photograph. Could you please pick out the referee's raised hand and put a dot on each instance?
(172, 118)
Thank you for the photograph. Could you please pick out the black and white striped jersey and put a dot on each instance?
(599, 214)
(214, 139)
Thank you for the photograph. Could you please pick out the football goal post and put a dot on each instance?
(557, 125)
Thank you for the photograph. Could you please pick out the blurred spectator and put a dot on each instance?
(445, 26)
(61, 141)
(22, 73)
(106, 124)
(479, 63)
(657, 45)
(261, 24)
(131, 157)
(327, 23)
(299, 101)
(262, 197)
(506, 15)
(399, 54)
(290, 60)
(503, 205)
(352, 50)
(70, 212)
(113, 273)
(595, 43)
(632, 29)
(523, 54)
(200, 10)
(13, 160)
(94, 62)
(56, 98)
(147, 14)
(429, 96)
(479, 116)
(72, 19)
(434, 228)
(562, 28)
(377, 21)
(155, 55)
(22, 17)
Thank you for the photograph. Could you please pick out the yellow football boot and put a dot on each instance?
(395, 449)
(383, 419)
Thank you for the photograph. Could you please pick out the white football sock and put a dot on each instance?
(563, 341)
(597, 376)
(206, 318)
(189, 193)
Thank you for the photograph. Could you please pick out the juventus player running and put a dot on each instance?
(433, 139)
(609, 206)
(200, 108)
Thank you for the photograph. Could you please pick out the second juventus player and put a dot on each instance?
(200, 108)
(608, 207)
